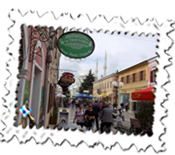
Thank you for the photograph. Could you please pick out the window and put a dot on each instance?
(105, 85)
(153, 74)
(122, 79)
(110, 84)
(141, 75)
(134, 77)
(127, 79)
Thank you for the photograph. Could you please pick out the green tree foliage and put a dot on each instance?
(87, 83)
(145, 111)
(67, 93)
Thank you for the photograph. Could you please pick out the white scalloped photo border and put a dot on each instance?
(8, 131)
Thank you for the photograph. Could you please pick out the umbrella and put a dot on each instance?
(145, 94)
(82, 96)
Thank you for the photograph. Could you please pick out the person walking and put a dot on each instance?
(96, 110)
(134, 107)
(90, 116)
(100, 104)
(111, 106)
(106, 117)
(115, 105)
(73, 103)
(126, 106)
(79, 116)
(65, 102)
(76, 102)
(121, 104)
(68, 103)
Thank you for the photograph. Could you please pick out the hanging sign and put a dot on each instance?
(66, 80)
(75, 44)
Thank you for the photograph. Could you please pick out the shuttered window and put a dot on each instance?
(141, 75)
(122, 79)
(153, 75)
(144, 75)
(134, 77)
(127, 79)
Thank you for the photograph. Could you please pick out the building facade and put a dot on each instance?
(38, 73)
(104, 86)
(152, 64)
(134, 78)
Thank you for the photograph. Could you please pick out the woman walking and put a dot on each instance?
(79, 116)
(90, 116)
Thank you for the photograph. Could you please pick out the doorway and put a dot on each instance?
(36, 93)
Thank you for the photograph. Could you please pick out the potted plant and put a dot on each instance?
(145, 112)
(54, 116)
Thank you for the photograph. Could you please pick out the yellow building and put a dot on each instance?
(104, 86)
(134, 79)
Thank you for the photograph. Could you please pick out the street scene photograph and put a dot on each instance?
(86, 80)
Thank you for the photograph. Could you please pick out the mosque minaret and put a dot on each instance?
(105, 64)
(96, 71)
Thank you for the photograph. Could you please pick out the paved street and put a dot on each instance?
(125, 123)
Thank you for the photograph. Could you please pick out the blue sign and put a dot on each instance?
(121, 98)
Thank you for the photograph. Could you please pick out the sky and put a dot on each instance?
(122, 51)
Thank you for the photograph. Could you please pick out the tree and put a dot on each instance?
(87, 83)
(67, 93)
(145, 112)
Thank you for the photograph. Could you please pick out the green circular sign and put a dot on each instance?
(75, 44)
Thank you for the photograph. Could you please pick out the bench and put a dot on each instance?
(135, 125)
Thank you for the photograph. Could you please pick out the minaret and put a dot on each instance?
(96, 71)
(105, 66)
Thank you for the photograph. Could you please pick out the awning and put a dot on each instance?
(104, 95)
(145, 94)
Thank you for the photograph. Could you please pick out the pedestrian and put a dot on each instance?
(126, 106)
(121, 104)
(73, 103)
(90, 116)
(134, 107)
(115, 105)
(111, 106)
(77, 102)
(65, 102)
(79, 116)
(100, 104)
(106, 117)
(68, 103)
(96, 110)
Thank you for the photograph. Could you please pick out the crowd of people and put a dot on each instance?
(96, 112)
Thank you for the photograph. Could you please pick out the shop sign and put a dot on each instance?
(66, 80)
(75, 44)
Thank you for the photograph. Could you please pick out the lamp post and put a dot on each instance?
(115, 84)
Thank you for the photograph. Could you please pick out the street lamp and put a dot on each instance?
(115, 84)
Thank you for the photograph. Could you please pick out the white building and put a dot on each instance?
(74, 89)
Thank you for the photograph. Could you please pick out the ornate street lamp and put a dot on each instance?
(115, 84)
